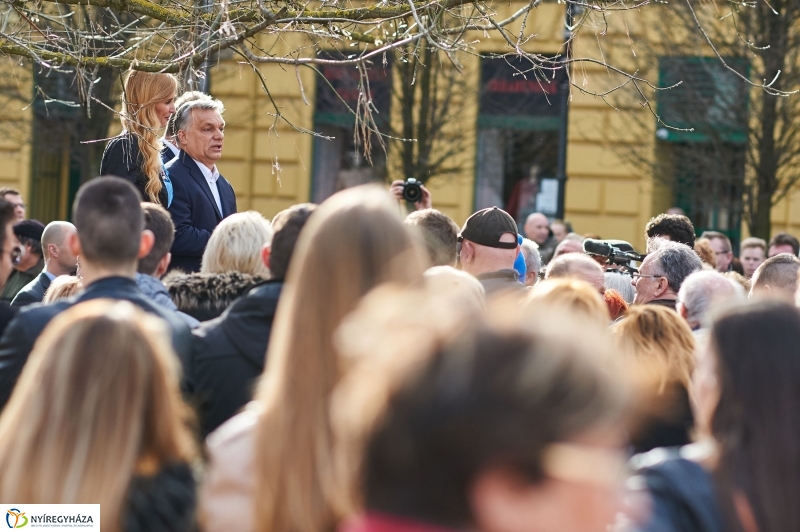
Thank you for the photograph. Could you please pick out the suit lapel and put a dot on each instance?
(198, 176)
(44, 280)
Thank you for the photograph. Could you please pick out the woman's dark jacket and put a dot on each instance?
(164, 502)
(122, 158)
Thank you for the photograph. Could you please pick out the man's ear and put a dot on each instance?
(146, 243)
(74, 244)
(266, 252)
(661, 289)
(682, 311)
(162, 266)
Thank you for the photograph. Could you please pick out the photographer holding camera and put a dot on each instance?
(416, 193)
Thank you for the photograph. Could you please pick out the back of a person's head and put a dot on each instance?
(659, 341)
(62, 287)
(702, 247)
(616, 304)
(438, 233)
(157, 220)
(703, 289)
(621, 282)
(568, 265)
(354, 241)
(777, 276)
(754, 421)
(533, 258)
(109, 221)
(458, 284)
(98, 397)
(785, 239)
(677, 227)
(287, 225)
(236, 244)
(574, 296)
(419, 432)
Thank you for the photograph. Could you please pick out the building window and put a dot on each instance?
(519, 120)
(341, 162)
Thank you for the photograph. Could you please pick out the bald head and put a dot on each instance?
(58, 258)
(537, 228)
(577, 266)
(777, 276)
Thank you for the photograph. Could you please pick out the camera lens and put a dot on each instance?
(412, 191)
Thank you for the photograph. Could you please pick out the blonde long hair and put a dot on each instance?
(97, 403)
(142, 91)
(352, 243)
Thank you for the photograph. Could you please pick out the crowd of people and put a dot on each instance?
(347, 366)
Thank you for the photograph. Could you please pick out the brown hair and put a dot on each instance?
(97, 403)
(753, 242)
(706, 253)
(141, 92)
(158, 220)
(287, 225)
(353, 242)
(438, 233)
(414, 430)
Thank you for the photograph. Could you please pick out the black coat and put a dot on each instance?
(32, 292)
(20, 335)
(194, 211)
(682, 493)
(6, 315)
(164, 502)
(122, 158)
(229, 355)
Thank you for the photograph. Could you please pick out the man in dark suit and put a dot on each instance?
(58, 260)
(109, 239)
(202, 197)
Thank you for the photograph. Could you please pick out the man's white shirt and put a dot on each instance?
(211, 178)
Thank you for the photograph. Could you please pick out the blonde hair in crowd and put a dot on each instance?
(142, 91)
(353, 242)
(97, 403)
(62, 287)
(573, 296)
(235, 245)
(660, 342)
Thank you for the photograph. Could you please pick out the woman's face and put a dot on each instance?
(164, 110)
(583, 490)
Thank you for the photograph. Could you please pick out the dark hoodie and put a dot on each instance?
(682, 493)
(164, 502)
(229, 355)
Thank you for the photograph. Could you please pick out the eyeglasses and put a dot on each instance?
(638, 275)
(15, 254)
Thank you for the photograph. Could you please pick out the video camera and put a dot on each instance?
(616, 252)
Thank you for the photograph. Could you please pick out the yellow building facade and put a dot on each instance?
(270, 162)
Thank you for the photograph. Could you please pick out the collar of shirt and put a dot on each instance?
(173, 148)
(210, 175)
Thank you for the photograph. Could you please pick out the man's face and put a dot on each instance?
(559, 231)
(751, 259)
(780, 248)
(649, 284)
(6, 264)
(202, 139)
(19, 205)
(537, 228)
(722, 252)
(66, 259)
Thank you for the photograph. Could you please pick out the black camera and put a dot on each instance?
(617, 252)
(412, 190)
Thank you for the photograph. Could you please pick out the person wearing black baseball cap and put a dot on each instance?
(31, 264)
(489, 248)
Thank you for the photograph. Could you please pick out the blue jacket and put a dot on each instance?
(194, 211)
(20, 335)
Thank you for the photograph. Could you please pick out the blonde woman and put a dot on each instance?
(97, 417)
(62, 287)
(271, 467)
(148, 100)
(239, 244)
(659, 346)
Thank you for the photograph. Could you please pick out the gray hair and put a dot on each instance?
(183, 116)
(701, 289)
(621, 282)
(533, 259)
(676, 262)
(566, 265)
